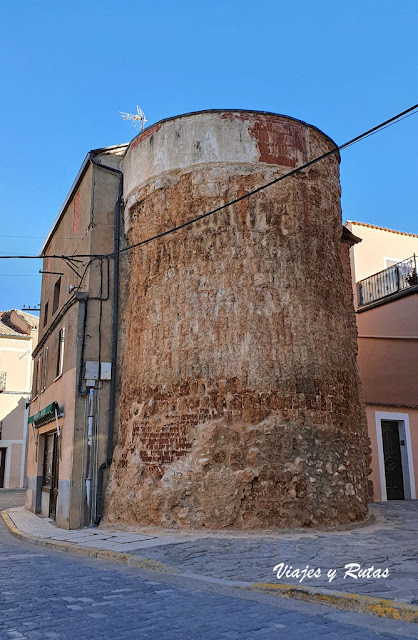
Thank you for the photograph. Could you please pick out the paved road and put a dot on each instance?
(47, 595)
(389, 544)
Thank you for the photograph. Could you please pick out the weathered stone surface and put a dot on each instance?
(241, 401)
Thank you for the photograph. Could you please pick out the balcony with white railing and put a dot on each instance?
(395, 279)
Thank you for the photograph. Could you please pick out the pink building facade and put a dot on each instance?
(384, 271)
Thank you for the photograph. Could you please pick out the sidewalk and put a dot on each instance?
(246, 559)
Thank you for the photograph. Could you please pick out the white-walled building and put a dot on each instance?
(18, 337)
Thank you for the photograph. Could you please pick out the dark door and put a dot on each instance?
(2, 466)
(54, 480)
(393, 460)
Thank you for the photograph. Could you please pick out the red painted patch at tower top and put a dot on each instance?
(279, 140)
(279, 143)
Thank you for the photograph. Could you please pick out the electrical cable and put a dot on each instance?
(362, 136)
(82, 239)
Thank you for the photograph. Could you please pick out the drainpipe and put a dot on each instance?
(23, 473)
(89, 447)
(81, 391)
(111, 414)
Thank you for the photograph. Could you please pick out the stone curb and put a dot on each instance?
(343, 600)
(90, 552)
(340, 599)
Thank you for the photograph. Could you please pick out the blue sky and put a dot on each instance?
(68, 68)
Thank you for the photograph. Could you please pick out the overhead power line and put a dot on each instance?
(362, 136)
(383, 125)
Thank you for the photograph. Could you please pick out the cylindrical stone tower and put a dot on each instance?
(241, 401)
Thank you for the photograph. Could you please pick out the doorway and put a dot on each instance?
(51, 472)
(54, 485)
(393, 460)
(394, 449)
(2, 466)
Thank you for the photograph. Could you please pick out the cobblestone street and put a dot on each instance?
(389, 543)
(46, 594)
(386, 542)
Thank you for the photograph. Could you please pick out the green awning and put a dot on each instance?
(44, 415)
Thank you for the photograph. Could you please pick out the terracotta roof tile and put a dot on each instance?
(32, 320)
(374, 226)
(7, 328)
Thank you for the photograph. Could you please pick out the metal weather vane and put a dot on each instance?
(138, 119)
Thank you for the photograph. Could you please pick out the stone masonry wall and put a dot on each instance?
(241, 400)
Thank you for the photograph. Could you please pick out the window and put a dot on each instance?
(45, 314)
(56, 300)
(44, 368)
(60, 353)
(390, 262)
(36, 378)
(40, 374)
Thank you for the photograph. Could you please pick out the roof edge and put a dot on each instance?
(29, 318)
(375, 226)
(267, 113)
(349, 237)
(74, 186)
(6, 322)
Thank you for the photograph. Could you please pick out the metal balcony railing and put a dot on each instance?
(3, 377)
(398, 277)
